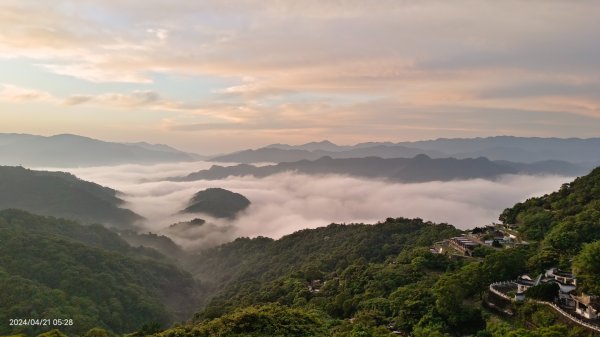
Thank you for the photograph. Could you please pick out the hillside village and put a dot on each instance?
(555, 287)
(494, 236)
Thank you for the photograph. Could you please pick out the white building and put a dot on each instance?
(587, 306)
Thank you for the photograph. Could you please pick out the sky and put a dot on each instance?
(215, 76)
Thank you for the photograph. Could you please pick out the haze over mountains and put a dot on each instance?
(77, 151)
(516, 149)
(421, 168)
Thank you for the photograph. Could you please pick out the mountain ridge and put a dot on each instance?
(518, 149)
(69, 150)
(420, 168)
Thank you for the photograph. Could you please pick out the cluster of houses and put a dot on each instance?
(506, 236)
(495, 236)
(583, 305)
(314, 286)
(463, 244)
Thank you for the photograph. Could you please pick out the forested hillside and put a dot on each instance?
(53, 268)
(357, 280)
(562, 222)
(62, 195)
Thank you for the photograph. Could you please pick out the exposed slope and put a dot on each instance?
(76, 151)
(63, 195)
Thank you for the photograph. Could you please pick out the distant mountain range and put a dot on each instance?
(421, 168)
(77, 151)
(279, 155)
(62, 194)
(515, 149)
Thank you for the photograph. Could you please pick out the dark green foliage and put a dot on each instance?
(543, 292)
(53, 333)
(97, 332)
(217, 202)
(50, 268)
(62, 195)
(587, 267)
(270, 320)
(562, 221)
(367, 273)
(505, 265)
(328, 249)
(147, 329)
(160, 243)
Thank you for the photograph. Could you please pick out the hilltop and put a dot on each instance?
(217, 202)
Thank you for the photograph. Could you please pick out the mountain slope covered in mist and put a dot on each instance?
(63, 195)
(418, 169)
(54, 268)
(78, 151)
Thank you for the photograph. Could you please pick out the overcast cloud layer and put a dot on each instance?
(213, 76)
(289, 202)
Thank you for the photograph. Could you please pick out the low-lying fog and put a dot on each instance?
(285, 203)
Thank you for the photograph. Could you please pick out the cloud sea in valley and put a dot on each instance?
(284, 203)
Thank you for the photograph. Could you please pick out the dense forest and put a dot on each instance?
(54, 268)
(361, 280)
(561, 223)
